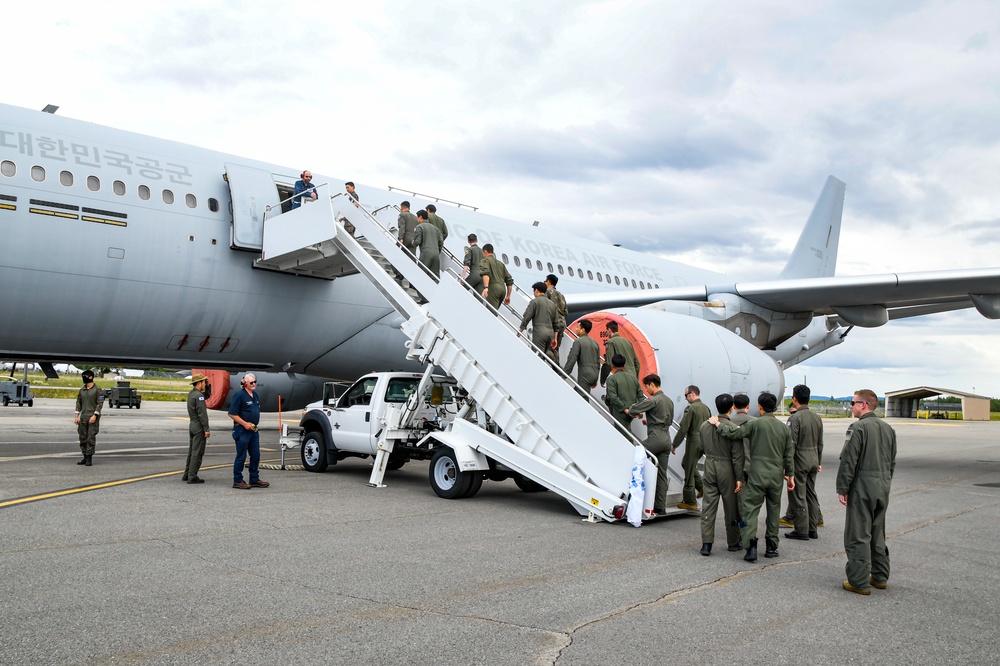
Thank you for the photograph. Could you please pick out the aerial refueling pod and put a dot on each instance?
(683, 351)
(296, 391)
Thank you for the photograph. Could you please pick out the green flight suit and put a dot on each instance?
(198, 415)
(659, 411)
(541, 313)
(723, 467)
(807, 438)
(739, 418)
(559, 301)
(622, 390)
(473, 259)
(407, 226)
(771, 458)
(616, 344)
(499, 279)
(439, 224)
(428, 239)
(586, 354)
(695, 414)
(867, 464)
(88, 403)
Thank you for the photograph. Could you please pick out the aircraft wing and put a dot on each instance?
(867, 300)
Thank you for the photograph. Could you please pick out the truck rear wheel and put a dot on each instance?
(314, 451)
(446, 479)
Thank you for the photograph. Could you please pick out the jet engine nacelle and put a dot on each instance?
(684, 350)
(296, 391)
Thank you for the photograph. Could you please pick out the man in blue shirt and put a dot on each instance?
(245, 413)
(304, 190)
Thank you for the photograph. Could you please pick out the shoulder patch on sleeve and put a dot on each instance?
(201, 398)
(849, 430)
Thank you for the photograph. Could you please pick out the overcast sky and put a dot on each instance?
(702, 132)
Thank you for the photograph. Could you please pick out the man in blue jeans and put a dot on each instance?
(245, 413)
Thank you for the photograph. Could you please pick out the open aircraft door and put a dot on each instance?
(252, 190)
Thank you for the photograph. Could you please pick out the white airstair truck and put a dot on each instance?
(548, 429)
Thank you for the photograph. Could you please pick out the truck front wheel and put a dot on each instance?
(446, 479)
(314, 451)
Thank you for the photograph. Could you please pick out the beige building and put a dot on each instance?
(904, 403)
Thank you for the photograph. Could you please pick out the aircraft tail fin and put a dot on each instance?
(815, 254)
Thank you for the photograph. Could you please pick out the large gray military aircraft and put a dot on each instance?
(126, 249)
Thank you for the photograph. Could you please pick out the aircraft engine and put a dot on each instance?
(685, 350)
(296, 391)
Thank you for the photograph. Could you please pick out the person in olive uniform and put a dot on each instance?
(428, 240)
(695, 414)
(407, 225)
(559, 301)
(723, 478)
(541, 313)
(437, 221)
(659, 411)
(771, 458)
(244, 410)
(349, 188)
(495, 276)
(864, 479)
(89, 401)
(586, 355)
(622, 391)
(198, 428)
(471, 262)
(807, 438)
(740, 415)
(616, 344)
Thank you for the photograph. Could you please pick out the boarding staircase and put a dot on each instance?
(554, 432)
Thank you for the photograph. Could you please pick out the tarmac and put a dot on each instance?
(122, 563)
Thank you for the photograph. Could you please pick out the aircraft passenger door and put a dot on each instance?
(252, 190)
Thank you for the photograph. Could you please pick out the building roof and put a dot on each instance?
(919, 392)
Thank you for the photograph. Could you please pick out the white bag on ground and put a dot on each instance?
(637, 488)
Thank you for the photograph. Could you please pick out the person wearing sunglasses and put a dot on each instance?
(244, 410)
(867, 463)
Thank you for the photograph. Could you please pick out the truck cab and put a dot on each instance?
(349, 425)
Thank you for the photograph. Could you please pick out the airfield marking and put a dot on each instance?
(98, 486)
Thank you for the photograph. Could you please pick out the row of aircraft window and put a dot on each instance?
(578, 272)
(9, 169)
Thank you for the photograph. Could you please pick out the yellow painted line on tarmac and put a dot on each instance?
(99, 486)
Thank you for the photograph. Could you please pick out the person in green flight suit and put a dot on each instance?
(771, 458)
(198, 428)
(541, 313)
(659, 411)
(471, 262)
(428, 240)
(807, 438)
(437, 221)
(740, 415)
(495, 276)
(89, 401)
(586, 355)
(723, 478)
(864, 479)
(622, 391)
(407, 225)
(695, 414)
(616, 344)
(559, 301)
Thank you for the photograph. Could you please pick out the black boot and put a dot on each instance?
(772, 548)
(86, 460)
(751, 555)
(83, 461)
(706, 549)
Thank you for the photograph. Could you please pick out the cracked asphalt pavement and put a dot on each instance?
(321, 568)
